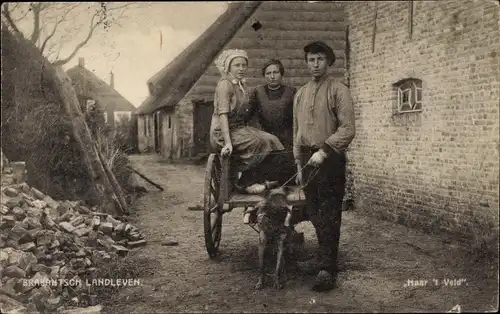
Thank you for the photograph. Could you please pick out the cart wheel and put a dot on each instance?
(212, 216)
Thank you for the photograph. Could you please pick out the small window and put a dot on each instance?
(90, 104)
(409, 93)
(105, 114)
(122, 116)
(169, 122)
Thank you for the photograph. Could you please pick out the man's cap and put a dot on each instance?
(320, 46)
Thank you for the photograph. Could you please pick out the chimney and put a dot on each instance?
(81, 62)
(112, 79)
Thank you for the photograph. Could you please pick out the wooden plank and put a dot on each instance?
(296, 197)
(306, 35)
(303, 71)
(146, 179)
(275, 44)
(283, 53)
(301, 25)
(299, 6)
(114, 183)
(323, 16)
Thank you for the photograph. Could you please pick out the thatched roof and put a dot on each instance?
(286, 27)
(89, 85)
(170, 84)
(35, 126)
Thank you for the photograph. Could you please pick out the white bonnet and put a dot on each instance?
(225, 58)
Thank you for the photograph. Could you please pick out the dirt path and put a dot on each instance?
(377, 259)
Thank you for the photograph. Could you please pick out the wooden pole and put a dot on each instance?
(63, 87)
(114, 183)
(146, 178)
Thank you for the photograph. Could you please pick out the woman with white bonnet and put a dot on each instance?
(229, 131)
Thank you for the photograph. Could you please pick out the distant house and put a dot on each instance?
(92, 91)
(175, 119)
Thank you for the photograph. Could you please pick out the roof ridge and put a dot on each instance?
(110, 91)
(162, 82)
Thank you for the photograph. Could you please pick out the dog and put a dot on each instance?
(273, 219)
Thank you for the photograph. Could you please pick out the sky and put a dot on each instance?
(132, 49)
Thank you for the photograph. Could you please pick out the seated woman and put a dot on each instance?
(272, 105)
(229, 131)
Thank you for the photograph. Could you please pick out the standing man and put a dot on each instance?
(323, 126)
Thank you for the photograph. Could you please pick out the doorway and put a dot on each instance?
(157, 131)
(202, 117)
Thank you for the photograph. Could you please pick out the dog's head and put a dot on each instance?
(275, 207)
(275, 200)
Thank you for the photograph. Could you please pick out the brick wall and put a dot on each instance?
(438, 168)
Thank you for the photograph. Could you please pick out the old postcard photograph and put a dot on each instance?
(250, 156)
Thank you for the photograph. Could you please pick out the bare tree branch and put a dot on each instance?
(22, 16)
(50, 51)
(14, 8)
(51, 21)
(53, 53)
(11, 23)
(119, 17)
(123, 6)
(80, 45)
(36, 9)
(62, 10)
(56, 24)
(102, 16)
(59, 51)
(44, 6)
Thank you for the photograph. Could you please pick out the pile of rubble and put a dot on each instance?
(45, 245)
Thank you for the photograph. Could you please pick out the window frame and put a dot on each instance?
(413, 88)
(90, 104)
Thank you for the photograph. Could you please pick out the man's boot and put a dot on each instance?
(324, 281)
